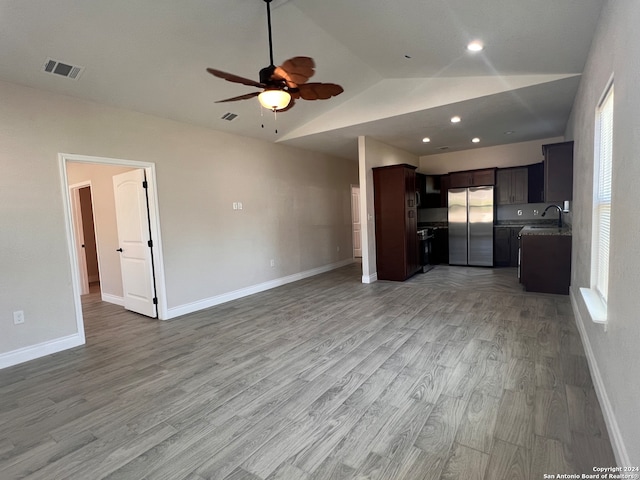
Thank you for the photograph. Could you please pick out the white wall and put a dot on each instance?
(373, 153)
(613, 353)
(296, 207)
(501, 156)
(104, 213)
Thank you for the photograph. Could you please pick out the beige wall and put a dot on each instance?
(501, 156)
(615, 362)
(373, 153)
(104, 213)
(296, 206)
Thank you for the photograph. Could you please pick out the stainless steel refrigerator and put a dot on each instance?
(470, 218)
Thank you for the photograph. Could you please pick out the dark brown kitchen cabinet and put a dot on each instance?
(536, 182)
(394, 189)
(545, 263)
(440, 246)
(472, 178)
(505, 246)
(512, 186)
(558, 172)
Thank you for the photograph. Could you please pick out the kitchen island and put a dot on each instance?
(545, 259)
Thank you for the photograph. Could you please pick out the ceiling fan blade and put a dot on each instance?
(299, 69)
(240, 97)
(280, 74)
(319, 91)
(230, 77)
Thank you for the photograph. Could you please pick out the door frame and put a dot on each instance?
(154, 223)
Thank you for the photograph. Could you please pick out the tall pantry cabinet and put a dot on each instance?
(396, 221)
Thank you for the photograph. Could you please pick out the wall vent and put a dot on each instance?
(63, 69)
(229, 116)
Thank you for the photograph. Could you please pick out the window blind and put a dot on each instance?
(602, 202)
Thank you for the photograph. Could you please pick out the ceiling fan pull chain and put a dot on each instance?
(275, 119)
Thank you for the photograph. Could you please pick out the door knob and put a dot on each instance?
(118, 250)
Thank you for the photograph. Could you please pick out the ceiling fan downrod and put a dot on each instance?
(268, 2)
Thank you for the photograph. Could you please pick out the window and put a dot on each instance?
(602, 194)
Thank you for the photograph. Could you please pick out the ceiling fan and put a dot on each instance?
(282, 85)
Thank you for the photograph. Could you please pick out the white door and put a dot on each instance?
(355, 219)
(132, 217)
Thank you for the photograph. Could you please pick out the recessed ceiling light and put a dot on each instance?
(475, 140)
(475, 46)
(426, 140)
(455, 119)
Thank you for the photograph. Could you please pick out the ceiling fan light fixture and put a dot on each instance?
(274, 99)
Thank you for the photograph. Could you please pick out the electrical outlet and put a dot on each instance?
(273, 262)
(519, 213)
(18, 317)
(535, 212)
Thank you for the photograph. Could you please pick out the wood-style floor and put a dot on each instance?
(454, 374)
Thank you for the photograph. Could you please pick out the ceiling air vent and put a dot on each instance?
(443, 148)
(229, 116)
(62, 69)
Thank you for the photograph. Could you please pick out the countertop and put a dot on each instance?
(526, 223)
(433, 225)
(545, 230)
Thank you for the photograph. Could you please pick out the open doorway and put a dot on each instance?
(356, 226)
(85, 236)
(97, 172)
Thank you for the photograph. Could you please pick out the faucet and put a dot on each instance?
(559, 213)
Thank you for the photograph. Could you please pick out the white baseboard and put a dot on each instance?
(107, 297)
(370, 278)
(40, 350)
(244, 292)
(617, 442)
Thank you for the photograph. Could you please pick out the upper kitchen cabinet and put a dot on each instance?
(512, 186)
(394, 190)
(558, 172)
(536, 182)
(472, 178)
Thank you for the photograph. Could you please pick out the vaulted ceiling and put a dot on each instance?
(403, 64)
